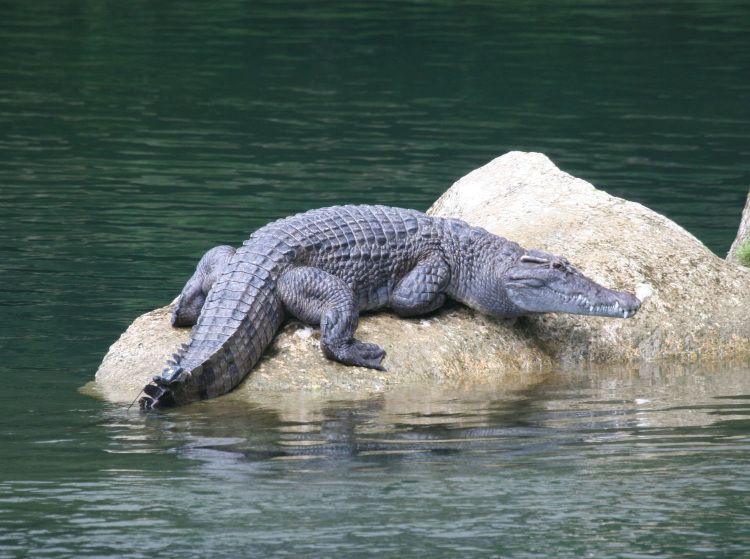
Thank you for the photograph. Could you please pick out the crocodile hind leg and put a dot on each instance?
(421, 290)
(319, 298)
(193, 295)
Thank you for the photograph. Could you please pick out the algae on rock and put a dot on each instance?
(739, 252)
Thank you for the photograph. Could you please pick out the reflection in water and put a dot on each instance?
(648, 461)
(653, 405)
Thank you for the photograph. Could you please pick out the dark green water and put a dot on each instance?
(135, 135)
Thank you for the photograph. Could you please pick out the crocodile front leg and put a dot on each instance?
(421, 290)
(319, 298)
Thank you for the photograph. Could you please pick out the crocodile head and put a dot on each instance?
(540, 282)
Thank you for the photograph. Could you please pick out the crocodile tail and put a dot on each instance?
(157, 395)
(237, 323)
(159, 392)
(180, 353)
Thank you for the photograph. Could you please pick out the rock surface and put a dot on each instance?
(695, 304)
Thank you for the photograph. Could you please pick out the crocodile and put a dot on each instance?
(326, 266)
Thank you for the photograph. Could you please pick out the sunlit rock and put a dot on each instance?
(695, 304)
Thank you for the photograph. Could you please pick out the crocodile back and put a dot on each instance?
(369, 247)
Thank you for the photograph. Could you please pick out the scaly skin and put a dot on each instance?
(326, 266)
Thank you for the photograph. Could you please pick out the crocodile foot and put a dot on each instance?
(359, 354)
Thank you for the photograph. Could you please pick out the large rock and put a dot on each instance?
(695, 304)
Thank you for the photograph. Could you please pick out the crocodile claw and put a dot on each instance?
(359, 354)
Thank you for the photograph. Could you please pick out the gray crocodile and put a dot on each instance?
(326, 266)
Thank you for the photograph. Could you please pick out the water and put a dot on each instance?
(639, 463)
(134, 136)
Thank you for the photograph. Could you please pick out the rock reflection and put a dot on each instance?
(565, 414)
